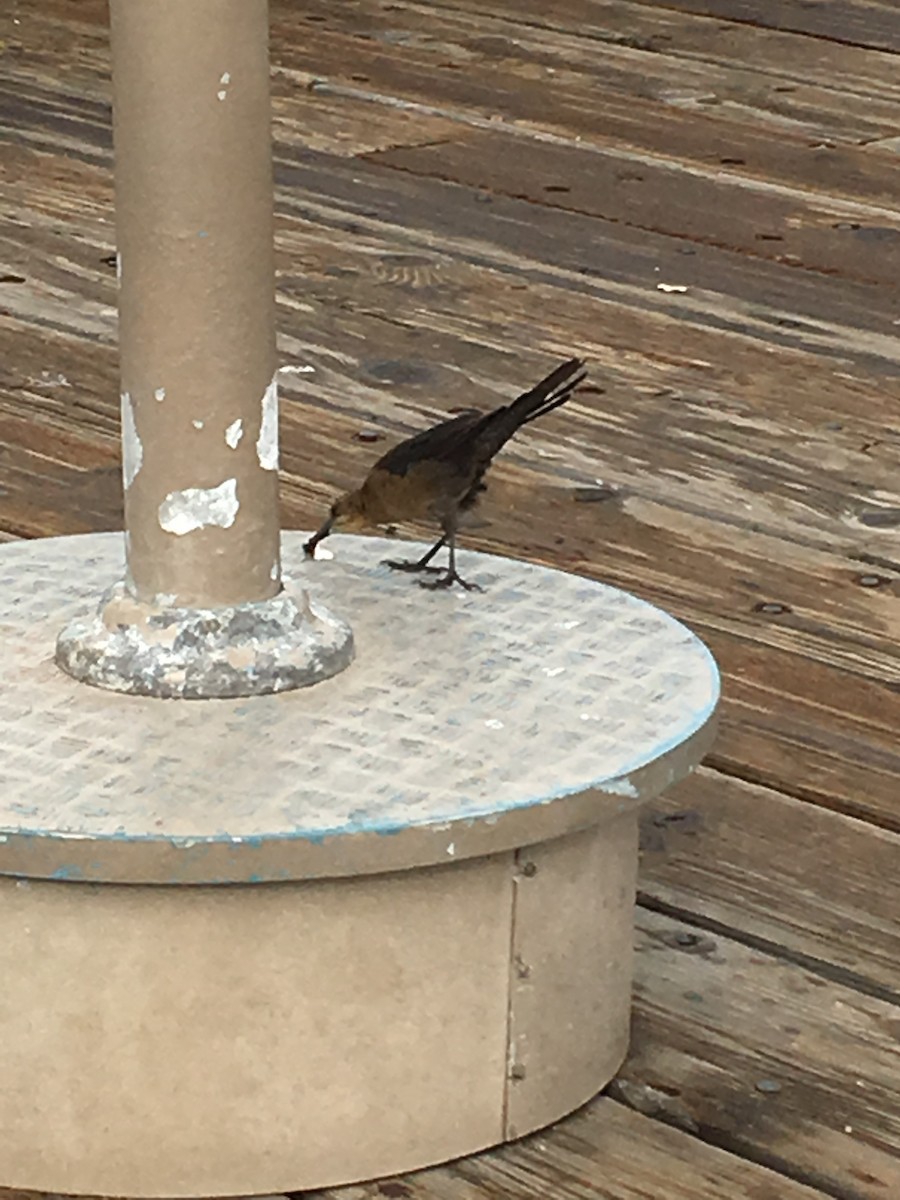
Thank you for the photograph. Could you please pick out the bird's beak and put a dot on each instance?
(310, 546)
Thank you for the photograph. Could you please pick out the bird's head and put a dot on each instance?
(347, 513)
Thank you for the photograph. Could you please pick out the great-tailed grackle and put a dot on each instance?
(439, 473)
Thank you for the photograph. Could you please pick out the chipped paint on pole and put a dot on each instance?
(194, 228)
(197, 322)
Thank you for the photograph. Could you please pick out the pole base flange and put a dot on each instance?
(275, 645)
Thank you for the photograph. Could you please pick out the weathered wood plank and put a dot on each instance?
(786, 874)
(594, 105)
(672, 32)
(632, 117)
(750, 421)
(494, 84)
(856, 22)
(818, 739)
(663, 199)
(787, 307)
(570, 51)
(659, 195)
(764, 1057)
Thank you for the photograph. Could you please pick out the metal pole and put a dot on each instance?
(202, 610)
(197, 314)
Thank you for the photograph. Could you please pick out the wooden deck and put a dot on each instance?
(703, 198)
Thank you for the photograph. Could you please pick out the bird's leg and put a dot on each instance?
(451, 575)
(420, 564)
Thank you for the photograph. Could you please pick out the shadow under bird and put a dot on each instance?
(438, 474)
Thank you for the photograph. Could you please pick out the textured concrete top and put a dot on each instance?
(469, 723)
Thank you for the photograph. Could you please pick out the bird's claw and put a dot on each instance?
(405, 564)
(448, 580)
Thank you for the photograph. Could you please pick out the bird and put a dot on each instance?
(438, 474)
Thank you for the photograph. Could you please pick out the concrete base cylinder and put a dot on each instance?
(206, 1041)
(276, 944)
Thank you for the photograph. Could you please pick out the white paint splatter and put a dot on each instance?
(197, 424)
(589, 717)
(234, 433)
(670, 287)
(273, 573)
(196, 508)
(451, 849)
(297, 369)
(493, 723)
(225, 79)
(552, 672)
(132, 450)
(267, 442)
(118, 266)
(159, 394)
(619, 787)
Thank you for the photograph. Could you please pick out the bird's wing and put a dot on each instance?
(448, 443)
(465, 445)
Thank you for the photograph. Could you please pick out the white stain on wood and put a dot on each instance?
(198, 508)
(159, 394)
(132, 449)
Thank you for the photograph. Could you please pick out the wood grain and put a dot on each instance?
(580, 50)
(765, 1058)
(858, 22)
(595, 93)
(663, 198)
(774, 520)
(672, 31)
(732, 855)
(740, 467)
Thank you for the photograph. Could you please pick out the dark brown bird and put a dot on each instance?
(437, 474)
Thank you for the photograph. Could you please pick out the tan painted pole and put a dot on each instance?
(203, 611)
(197, 323)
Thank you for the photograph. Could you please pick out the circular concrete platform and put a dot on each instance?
(407, 931)
(469, 722)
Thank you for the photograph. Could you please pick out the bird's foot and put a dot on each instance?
(447, 580)
(405, 564)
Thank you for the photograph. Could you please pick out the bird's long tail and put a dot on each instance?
(550, 393)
